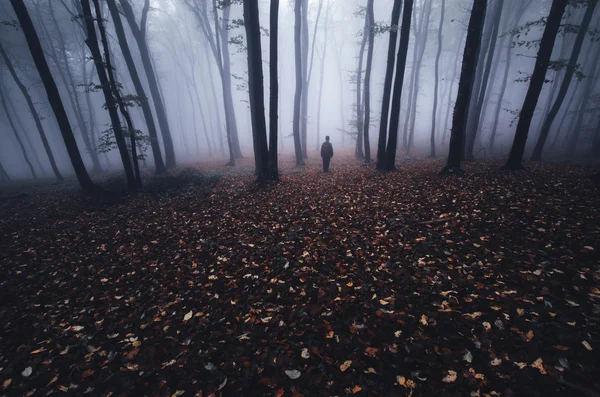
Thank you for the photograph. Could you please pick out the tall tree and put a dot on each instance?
(114, 86)
(137, 84)
(139, 33)
(111, 105)
(371, 36)
(535, 85)
(437, 78)
(390, 154)
(256, 89)
(33, 42)
(358, 151)
(311, 64)
(30, 105)
(322, 57)
(564, 87)
(465, 87)
(305, 83)
(3, 175)
(299, 81)
(482, 76)
(274, 87)
(14, 129)
(387, 85)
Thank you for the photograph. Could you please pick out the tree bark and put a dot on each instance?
(437, 80)
(35, 48)
(451, 88)
(387, 85)
(137, 84)
(23, 89)
(256, 89)
(304, 102)
(465, 87)
(390, 154)
(139, 33)
(321, 78)
(358, 152)
(3, 175)
(111, 105)
(564, 87)
(274, 87)
(536, 83)
(299, 82)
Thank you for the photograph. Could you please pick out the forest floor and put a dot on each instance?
(347, 283)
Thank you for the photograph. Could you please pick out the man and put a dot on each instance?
(326, 153)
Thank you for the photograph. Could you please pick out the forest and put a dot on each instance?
(299, 197)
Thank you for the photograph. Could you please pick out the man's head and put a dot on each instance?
(327, 138)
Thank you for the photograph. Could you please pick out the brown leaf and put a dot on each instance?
(345, 365)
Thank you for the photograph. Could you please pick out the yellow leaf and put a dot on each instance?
(539, 364)
(587, 345)
(6, 383)
(188, 316)
(423, 319)
(356, 389)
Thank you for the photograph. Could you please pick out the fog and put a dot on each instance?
(181, 44)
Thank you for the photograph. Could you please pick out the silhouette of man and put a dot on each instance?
(326, 153)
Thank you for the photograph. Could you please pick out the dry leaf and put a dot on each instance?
(6, 383)
(468, 357)
(539, 364)
(293, 374)
(27, 371)
(188, 316)
(423, 320)
(587, 345)
(356, 389)
(345, 365)
(495, 362)
(450, 378)
(305, 354)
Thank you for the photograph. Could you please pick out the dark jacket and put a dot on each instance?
(326, 150)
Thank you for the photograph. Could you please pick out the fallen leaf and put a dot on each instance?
(6, 383)
(356, 389)
(423, 320)
(468, 357)
(450, 377)
(587, 345)
(539, 364)
(293, 374)
(188, 316)
(370, 371)
(305, 354)
(27, 371)
(495, 362)
(345, 365)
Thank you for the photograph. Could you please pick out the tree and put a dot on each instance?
(321, 77)
(371, 35)
(139, 33)
(465, 87)
(30, 105)
(390, 154)
(387, 85)
(137, 84)
(274, 87)
(114, 86)
(14, 129)
(437, 79)
(358, 152)
(535, 85)
(33, 42)
(564, 87)
(299, 81)
(482, 75)
(256, 89)
(111, 105)
(3, 175)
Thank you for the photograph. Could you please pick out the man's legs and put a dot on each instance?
(326, 161)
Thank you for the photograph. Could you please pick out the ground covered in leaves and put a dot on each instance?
(347, 283)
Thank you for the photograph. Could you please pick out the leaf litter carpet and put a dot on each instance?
(347, 283)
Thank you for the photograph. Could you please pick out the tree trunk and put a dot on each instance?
(338, 60)
(111, 105)
(564, 87)
(274, 87)
(358, 151)
(321, 78)
(139, 33)
(299, 82)
(482, 80)
(451, 88)
(25, 134)
(565, 115)
(88, 100)
(35, 48)
(465, 87)
(256, 89)
(423, 42)
(71, 87)
(139, 88)
(3, 175)
(437, 80)
(413, 69)
(536, 83)
(371, 35)
(390, 154)
(14, 128)
(23, 89)
(387, 85)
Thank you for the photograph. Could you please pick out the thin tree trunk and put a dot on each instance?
(35, 48)
(413, 70)
(25, 134)
(3, 175)
(565, 115)
(299, 82)
(14, 129)
(359, 153)
(451, 90)
(139, 33)
(34, 114)
(536, 84)
(371, 36)
(274, 87)
(437, 80)
(564, 87)
(111, 105)
(304, 99)
(387, 85)
(139, 88)
(341, 87)
(465, 87)
(321, 77)
(390, 154)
